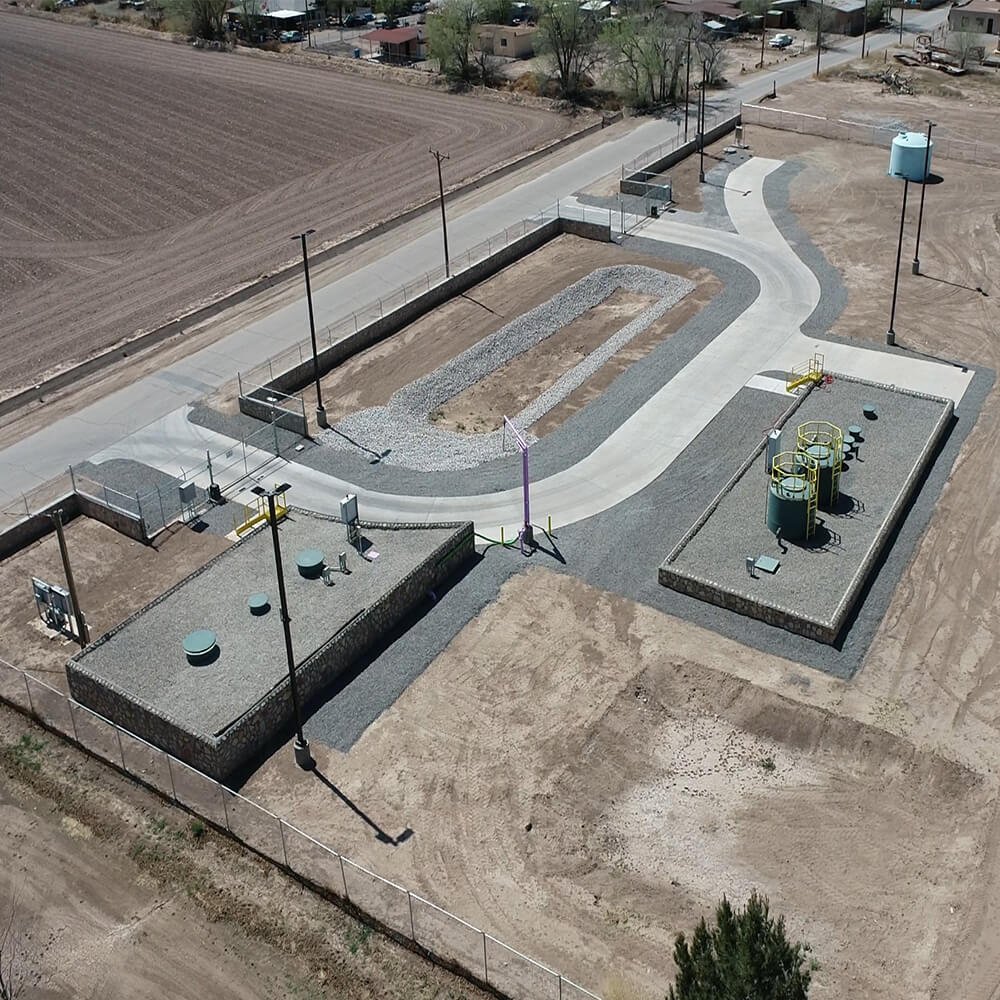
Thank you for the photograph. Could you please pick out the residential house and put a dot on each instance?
(504, 40)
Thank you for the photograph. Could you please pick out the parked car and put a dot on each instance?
(290, 36)
(781, 41)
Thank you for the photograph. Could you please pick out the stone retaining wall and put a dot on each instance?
(293, 379)
(744, 603)
(221, 754)
(636, 184)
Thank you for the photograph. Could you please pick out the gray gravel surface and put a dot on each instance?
(403, 427)
(146, 657)
(815, 574)
(620, 551)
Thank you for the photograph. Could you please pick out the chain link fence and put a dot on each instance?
(845, 130)
(448, 939)
(712, 117)
(297, 354)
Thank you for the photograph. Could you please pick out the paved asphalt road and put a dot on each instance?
(47, 453)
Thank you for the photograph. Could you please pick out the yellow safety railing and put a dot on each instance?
(257, 512)
(829, 435)
(797, 465)
(811, 371)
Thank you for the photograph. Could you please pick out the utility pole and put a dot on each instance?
(687, 84)
(923, 191)
(83, 633)
(890, 334)
(439, 156)
(901, 9)
(320, 410)
(701, 122)
(303, 757)
(819, 35)
(864, 30)
(763, 35)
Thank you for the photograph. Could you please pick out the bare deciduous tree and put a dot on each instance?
(568, 36)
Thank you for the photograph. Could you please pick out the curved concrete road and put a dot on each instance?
(766, 336)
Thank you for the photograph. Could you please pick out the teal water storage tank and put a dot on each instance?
(906, 158)
(791, 503)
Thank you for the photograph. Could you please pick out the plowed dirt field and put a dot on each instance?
(142, 178)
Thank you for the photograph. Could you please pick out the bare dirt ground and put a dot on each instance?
(173, 174)
(121, 896)
(633, 747)
(371, 377)
(509, 389)
(114, 575)
(628, 780)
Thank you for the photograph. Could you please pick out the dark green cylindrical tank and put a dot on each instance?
(788, 505)
(825, 460)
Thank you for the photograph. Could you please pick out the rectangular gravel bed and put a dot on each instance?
(818, 581)
(215, 714)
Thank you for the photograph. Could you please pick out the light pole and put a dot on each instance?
(687, 84)
(819, 35)
(864, 30)
(303, 757)
(320, 411)
(763, 35)
(890, 334)
(923, 191)
(901, 9)
(439, 156)
(701, 123)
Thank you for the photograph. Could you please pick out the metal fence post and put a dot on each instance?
(121, 752)
(72, 478)
(225, 808)
(274, 425)
(72, 719)
(284, 850)
(409, 899)
(27, 688)
(170, 773)
(343, 875)
(486, 968)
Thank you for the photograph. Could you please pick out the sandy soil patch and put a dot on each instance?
(371, 377)
(114, 575)
(625, 788)
(509, 389)
(121, 896)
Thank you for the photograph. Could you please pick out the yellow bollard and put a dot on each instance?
(502, 542)
(550, 524)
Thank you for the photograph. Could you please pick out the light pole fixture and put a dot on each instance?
(439, 156)
(320, 411)
(701, 122)
(923, 191)
(303, 757)
(890, 334)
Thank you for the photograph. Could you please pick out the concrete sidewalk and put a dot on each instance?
(766, 336)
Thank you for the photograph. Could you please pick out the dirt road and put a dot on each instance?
(172, 174)
(120, 896)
